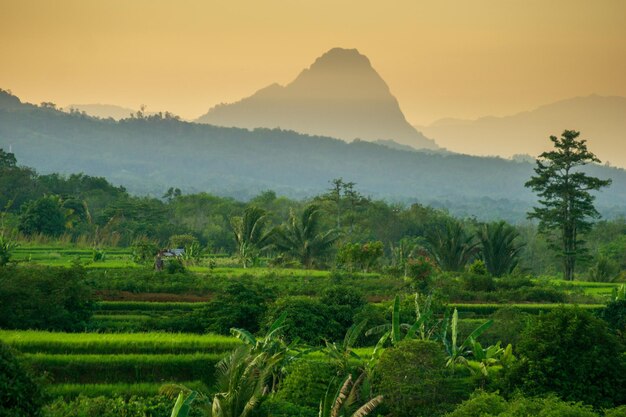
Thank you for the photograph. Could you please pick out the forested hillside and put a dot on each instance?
(149, 154)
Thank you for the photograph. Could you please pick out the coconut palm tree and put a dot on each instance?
(302, 239)
(251, 234)
(343, 402)
(499, 247)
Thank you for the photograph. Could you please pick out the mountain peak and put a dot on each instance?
(341, 59)
(340, 95)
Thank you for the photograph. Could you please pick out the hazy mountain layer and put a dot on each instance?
(148, 155)
(601, 120)
(340, 96)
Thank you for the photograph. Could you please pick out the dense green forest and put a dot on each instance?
(147, 154)
(91, 212)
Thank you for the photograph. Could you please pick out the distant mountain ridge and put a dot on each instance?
(103, 111)
(600, 119)
(149, 154)
(340, 95)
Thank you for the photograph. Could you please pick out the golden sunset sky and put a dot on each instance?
(441, 58)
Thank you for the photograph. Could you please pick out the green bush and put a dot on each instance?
(615, 316)
(616, 412)
(483, 404)
(44, 298)
(242, 305)
(273, 407)
(308, 319)
(480, 404)
(20, 394)
(414, 381)
(306, 382)
(344, 303)
(573, 354)
(478, 282)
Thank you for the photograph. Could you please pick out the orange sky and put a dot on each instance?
(464, 58)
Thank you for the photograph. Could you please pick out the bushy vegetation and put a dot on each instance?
(20, 393)
(334, 305)
(44, 298)
(564, 351)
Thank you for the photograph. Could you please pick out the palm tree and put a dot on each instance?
(451, 246)
(342, 402)
(302, 239)
(240, 381)
(251, 234)
(499, 249)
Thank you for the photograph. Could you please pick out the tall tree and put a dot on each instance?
(565, 200)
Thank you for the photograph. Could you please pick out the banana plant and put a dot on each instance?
(341, 402)
(396, 331)
(183, 404)
(619, 293)
(457, 354)
(341, 354)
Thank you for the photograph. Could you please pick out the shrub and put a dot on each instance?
(20, 395)
(508, 325)
(242, 305)
(420, 271)
(44, 298)
(480, 404)
(412, 377)
(615, 316)
(306, 382)
(478, 282)
(343, 302)
(483, 404)
(271, 406)
(478, 267)
(308, 319)
(573, 354)
(616, 412)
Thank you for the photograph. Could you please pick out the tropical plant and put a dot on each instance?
(423, 328)
(342, 354)
(251, 234)
(302, 237)
(6, 248)
(499, 248)
(458, 354)
(193, 252)
(401, 253)
(241, 379)
(343, 401)
(619, 293)
(451, 246)
(565, 199)
(278, 353)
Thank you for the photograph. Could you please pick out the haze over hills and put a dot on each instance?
(340, 96)
(601, 120)
(150, 154)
